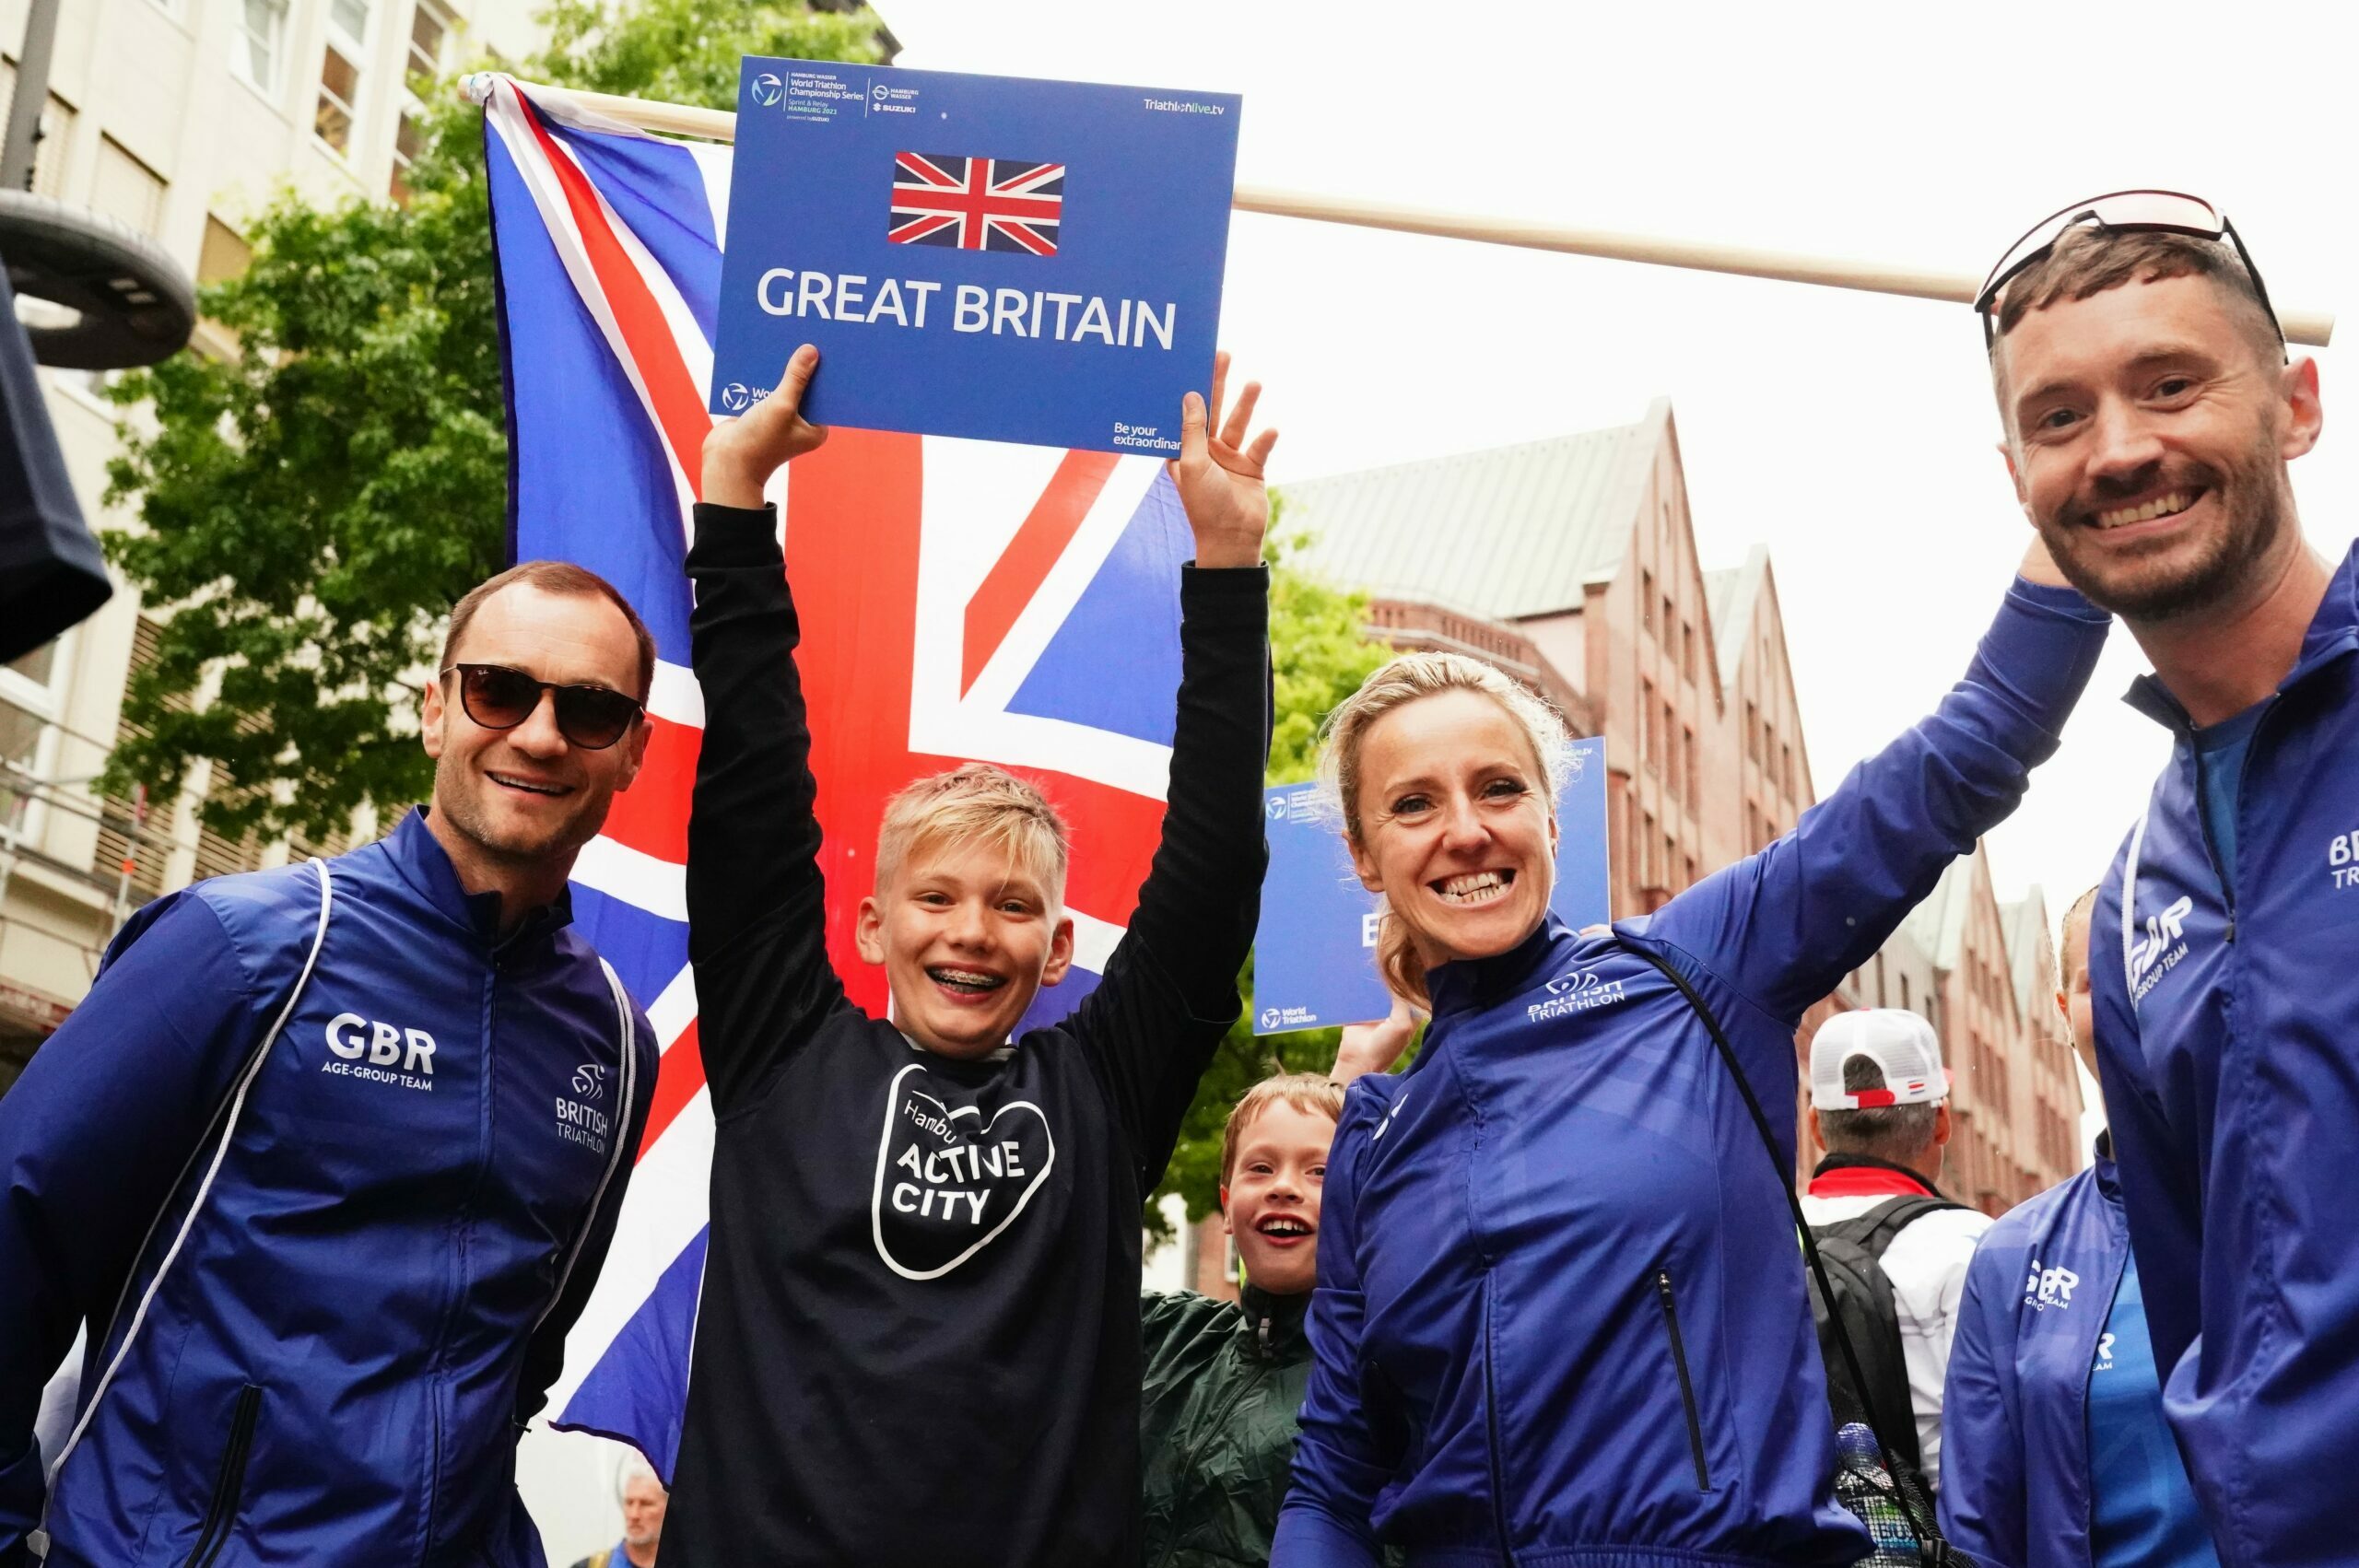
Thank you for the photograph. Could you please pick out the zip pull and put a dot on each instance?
(1263, 1332)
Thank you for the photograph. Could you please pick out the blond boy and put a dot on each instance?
(917, 1341)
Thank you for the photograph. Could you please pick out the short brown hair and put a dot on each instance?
(562, 577)
(1310, 1093)
(2087, 261)
(976, 803)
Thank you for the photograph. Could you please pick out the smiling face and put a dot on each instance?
(1456, 827)
(1270, 1197)
(525, 800)
(2148, 435)
(968, 933)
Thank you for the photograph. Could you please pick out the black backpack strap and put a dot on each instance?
(1923, 1530)
(1874, 1230)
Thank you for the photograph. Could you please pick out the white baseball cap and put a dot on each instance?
(1899, 1042)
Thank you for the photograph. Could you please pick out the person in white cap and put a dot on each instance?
(1880, 1108)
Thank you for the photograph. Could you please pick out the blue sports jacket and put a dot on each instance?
(2015, 1411)
(1560, 1316)
(327, 1359)
(2228, 1028)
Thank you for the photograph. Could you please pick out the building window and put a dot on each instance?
(54, 132)
(1647, 602)
(340, 66)
(258, 44)
(1695, 773)
(1791, 793)
(1687, 649)
(428, 31)
(1670, 616)
(27, 704)
(1752, 732)
(126, 189)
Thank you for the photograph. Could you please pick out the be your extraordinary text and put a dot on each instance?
(904, 302)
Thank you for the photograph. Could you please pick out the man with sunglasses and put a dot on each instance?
(2150, 412)
(328, 1160)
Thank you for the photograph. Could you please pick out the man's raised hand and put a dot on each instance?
(741, 454)
(1218, 474)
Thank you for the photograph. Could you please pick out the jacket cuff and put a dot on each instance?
(1225, 596)
(737, 536)
(2047, 600)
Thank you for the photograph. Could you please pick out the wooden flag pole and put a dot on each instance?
(2314, 328)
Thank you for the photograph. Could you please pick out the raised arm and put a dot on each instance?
(1169, 989)
(756, 909)
(1784, 926)
(92, 1140)
(1324, 1522)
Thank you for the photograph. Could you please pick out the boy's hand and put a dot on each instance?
(741, 454)
(1376, 1048)
(1219, 477)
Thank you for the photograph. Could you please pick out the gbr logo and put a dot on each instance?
(384, 1045)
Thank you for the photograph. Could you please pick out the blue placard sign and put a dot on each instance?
(1314, 957)
(989, 256)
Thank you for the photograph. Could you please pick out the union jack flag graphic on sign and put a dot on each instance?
(977, 203)
(961, 600)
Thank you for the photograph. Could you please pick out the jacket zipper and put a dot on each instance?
(228, 1481)
(1686, 1383)
(1491, 1419)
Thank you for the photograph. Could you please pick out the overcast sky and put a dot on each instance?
(1853, 433)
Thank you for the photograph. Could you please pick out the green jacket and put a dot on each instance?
(1222, 1386)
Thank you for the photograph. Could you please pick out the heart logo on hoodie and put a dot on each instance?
(948, 1180)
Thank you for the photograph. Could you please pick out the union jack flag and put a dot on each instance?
(960, 599)
(977, 203)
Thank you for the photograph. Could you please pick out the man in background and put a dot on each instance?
(643, 1500)
(1880, 1108)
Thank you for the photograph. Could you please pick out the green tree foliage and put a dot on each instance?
(312, 501)
(1320, 656)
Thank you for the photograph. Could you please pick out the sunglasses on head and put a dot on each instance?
(498, 697)
(2120, 212)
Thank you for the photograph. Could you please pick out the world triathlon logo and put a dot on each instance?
(736, 397)
(768, 90)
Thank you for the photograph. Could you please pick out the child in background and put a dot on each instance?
(1223, 1379)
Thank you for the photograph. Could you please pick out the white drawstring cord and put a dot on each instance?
(38, 1539)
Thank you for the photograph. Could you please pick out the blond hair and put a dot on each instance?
(1312, 1093)
(976, 804)
(1396, 685)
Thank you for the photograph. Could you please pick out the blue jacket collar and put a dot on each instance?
(2334, 631)
(2108, 1175)
(425, 866)
(1471, 985)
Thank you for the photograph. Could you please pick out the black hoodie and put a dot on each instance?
(919, 1336)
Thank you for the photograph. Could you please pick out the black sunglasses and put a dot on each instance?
(498, 697)
(2120, 212)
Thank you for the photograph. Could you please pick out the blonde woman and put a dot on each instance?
(1560, 1315)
